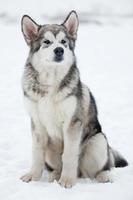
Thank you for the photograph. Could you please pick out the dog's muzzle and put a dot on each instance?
(59, 51)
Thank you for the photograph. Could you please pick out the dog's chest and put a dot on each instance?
(51, 116)
(48, 76)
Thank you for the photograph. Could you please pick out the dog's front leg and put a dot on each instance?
(39, 144)
(70, 157)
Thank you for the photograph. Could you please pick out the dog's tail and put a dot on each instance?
(119, 160)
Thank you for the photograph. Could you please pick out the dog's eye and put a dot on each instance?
(47, 42)
(63, 41)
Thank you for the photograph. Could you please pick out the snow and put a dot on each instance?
(104, 55)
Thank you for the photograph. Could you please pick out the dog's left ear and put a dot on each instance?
(71, 23)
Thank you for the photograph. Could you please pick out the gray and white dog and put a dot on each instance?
(67, 136)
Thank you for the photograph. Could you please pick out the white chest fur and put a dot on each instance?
(52, 114)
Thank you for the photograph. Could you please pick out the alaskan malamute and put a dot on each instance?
(67, 136)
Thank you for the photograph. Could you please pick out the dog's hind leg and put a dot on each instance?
(94, 158)
(53, 164)
(104, 176)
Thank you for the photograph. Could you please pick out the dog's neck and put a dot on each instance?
(49, 83)
(51, 75)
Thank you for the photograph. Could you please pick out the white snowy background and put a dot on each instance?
(105, 58)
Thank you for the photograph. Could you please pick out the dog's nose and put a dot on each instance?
(59, 51)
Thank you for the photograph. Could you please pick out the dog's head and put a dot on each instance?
(50, 44)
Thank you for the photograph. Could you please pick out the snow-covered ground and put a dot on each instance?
(105, 58)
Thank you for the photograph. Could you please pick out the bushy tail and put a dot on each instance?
(119, 160)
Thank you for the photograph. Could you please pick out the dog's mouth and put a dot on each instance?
(58, 58)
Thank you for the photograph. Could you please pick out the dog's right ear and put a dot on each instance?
(29, 29)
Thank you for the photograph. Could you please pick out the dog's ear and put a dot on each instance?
(71, 23)
(29, 29)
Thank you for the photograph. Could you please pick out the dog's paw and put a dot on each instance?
(67, 182)
(29, 177)
(104, 177)
(55, 175)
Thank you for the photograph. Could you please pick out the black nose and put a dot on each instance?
(59, 51)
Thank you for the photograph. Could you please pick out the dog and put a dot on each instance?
(66, 133)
